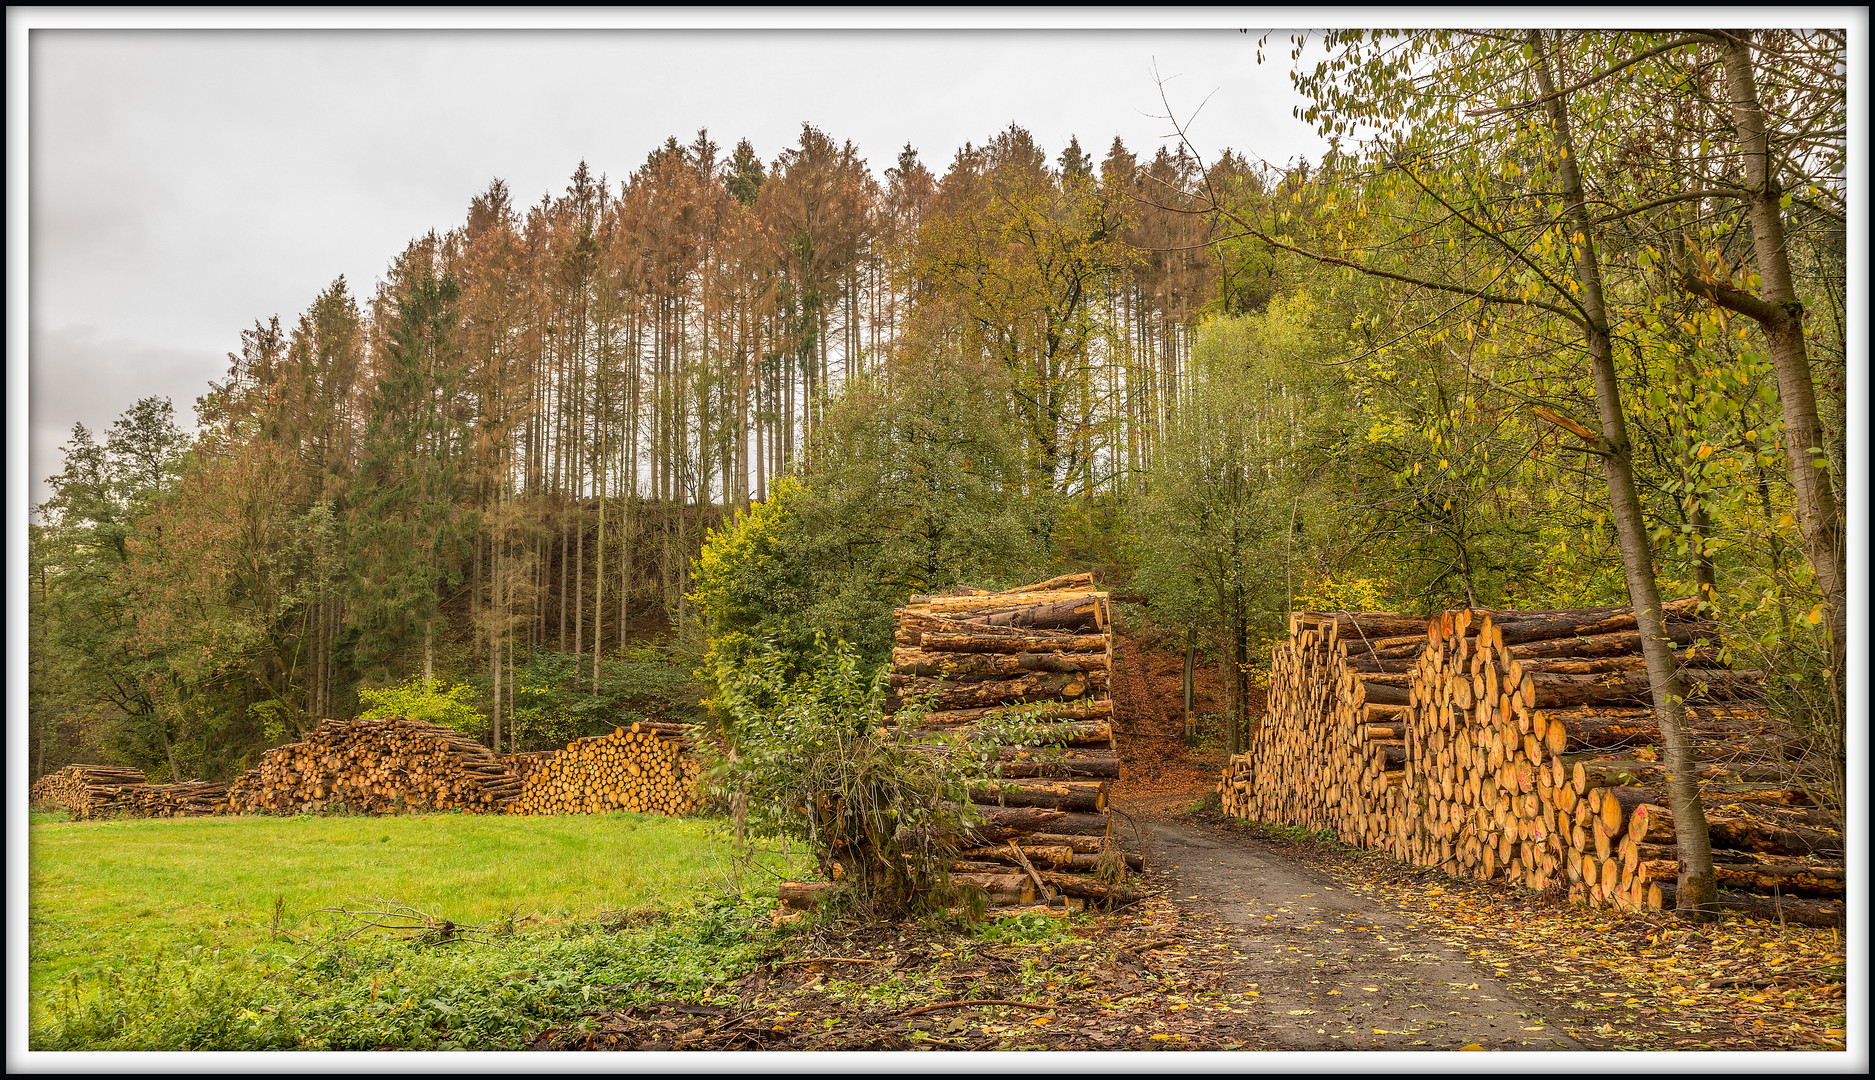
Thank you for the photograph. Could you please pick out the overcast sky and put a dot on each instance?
(185, 183)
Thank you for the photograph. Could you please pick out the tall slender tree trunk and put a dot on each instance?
(598, 579)
(761, 450)
(579, 578)
(497, 619)
(1698, 887)
(169, 753)
(565, 561)
(1780, 314)
(1188, 685)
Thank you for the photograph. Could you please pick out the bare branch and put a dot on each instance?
(1685, 196)
(1737, 300)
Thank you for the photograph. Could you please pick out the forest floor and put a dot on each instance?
(1250, 939)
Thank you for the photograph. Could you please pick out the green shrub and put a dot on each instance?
(421, 699)
(816, 761)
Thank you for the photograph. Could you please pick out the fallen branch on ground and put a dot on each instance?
(978, 1001)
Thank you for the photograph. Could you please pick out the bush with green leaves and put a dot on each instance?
(817, 762)
(425, 699)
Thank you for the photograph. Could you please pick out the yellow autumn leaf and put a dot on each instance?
(1816, 615)
(1704, 451)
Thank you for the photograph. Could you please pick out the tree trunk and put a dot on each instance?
(1780, 314)
(1189, 684)
(598, 581)
(1698, 886)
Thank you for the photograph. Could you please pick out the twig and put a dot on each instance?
(1047, 893)
(829, 960)
(1149, 946)
(978, 1001)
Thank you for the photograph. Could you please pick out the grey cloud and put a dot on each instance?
(76, 376)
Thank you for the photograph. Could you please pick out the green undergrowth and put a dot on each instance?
(208, 933)
(377, 993)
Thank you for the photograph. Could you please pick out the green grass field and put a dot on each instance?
(113, 902)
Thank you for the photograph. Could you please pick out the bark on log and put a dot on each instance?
(1081, 709)
(1088, 888)
(1003, 888)
(966, 642)
(1694, 658)
(1557, 691)
(949, 606)
(1804, 911)
(1089, 611)
(1077, 733)
(803, 895)
(978, 666)
(905, 658)
(1695, 640)
(1745, 832)
(1083, 797)
(1026, 763)
(1048, 857)
(1382, 694)
(1000, 823)
(1082, 581)
(1800, 878)
(1358, 626)
(1521, 627)
(1040, 686)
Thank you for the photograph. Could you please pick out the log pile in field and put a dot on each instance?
(376, 766)
(645, 768)
(1046, 828)
(82, 789)
(1521, 746)
(189, 799)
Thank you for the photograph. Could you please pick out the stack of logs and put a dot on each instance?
(190, 798)
(84, 790)
(644, 768)
(1044, 831)
(1521, 746)
(382, 766)
(978, 654)
(376, 766)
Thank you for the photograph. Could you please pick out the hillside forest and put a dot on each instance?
(1559, 320)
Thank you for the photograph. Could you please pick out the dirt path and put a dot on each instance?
(1331, 970)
